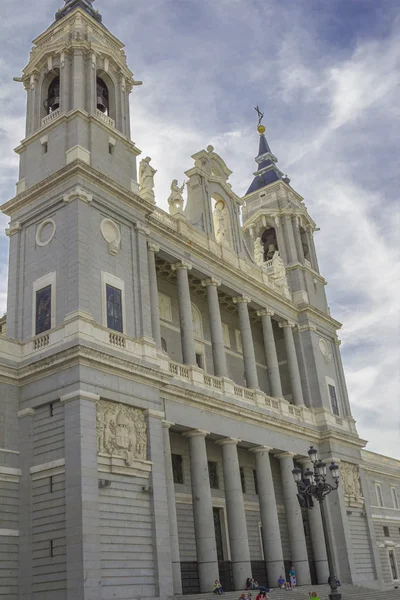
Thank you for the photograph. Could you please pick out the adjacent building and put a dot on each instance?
(162, 373)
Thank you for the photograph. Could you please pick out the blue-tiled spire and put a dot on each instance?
(267, 171)
(85, 4)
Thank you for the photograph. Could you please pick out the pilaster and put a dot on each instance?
(270, 352)
(185, 312)
(249, 358)
(217, 336)
(293, 365)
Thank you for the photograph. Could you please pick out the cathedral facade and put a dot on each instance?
(161, 374)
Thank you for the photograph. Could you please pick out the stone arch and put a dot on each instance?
(50, 92)
(197, 322)
(105, 94)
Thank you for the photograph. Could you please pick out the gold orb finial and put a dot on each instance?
(261, 129)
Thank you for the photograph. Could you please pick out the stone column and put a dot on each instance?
(65, 84)
(159, 506)
(154, 308)
(207, 560)
(25, 418)
(173, 522)
(217, 336)
(249, 358)
(78, 80)
(280, 238)
(292, 250)
(317, 535)
(311, 245)
(272, 543)
(83, 563)
(293, 365)
(297, 541)
(270, 352)
(143, 312)
(185, 312)
(297, 237)
(238, 539)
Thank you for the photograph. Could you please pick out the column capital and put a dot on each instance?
(285, 455)
(287, 323)
(26, 412)
(228, 442)
(157, 414)
(13, 229)
(241, 299)
(181, 264)
(153, 247)
(258, 449)
(79, 395)
(141, 228)
(305, 460)
(265, 312)
(196, 433)
(167, 424)
(211, 281)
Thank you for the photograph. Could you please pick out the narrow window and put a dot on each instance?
(395, 498)
(111, 149)
(114, 308)
(51, 484)
(334, 402)
(51, 409)
(386, 532)
(51, 548)
(379, 494)
(242, 480)
(177, 468)
(164, 345)
(43, 310)
(45, 147)
(199, 360)
(213, 475)
(255, 481)
(393, 564)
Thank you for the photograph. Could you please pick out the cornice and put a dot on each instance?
(65, 117)
(348, 440)
(81, 168)
(304, 268)
(272, 187)
(319, 315)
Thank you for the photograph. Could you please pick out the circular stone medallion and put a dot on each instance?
(45, 232)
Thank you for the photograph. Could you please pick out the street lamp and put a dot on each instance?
(312, 485)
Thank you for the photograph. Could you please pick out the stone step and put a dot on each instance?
(349, 592)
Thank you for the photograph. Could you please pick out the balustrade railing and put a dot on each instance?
(105, 118)
(51, 117)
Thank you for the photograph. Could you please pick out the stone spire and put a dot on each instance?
(85, 4)
(267, 171)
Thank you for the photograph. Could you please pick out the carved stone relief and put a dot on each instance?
(121, 431)
(350, 476)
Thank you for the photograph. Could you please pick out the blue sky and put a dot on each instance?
(327, 76)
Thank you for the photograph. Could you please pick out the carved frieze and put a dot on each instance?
(350, 475)
(121, 431)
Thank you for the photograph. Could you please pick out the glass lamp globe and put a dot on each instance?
(334, 469)
(313, 454)
(297, 474)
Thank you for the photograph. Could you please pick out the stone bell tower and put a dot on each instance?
(275, 219)
(77, 149)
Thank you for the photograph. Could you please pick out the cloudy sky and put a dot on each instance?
(327, 75)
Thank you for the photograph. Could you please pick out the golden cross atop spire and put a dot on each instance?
(260, 127)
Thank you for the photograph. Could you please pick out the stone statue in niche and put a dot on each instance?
(259, 251)
(221, 220)
(146, 179)
(175, 199)
(350, 475)
(277, 274)
(121, 431)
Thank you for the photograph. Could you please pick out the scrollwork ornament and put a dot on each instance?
(121, 431)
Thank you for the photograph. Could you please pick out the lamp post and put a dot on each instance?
(312, 485)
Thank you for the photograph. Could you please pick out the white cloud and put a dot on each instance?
(331, 119)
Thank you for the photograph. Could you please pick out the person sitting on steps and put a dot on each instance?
(217, 589)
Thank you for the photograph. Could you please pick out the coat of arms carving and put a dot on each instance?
(121, 431)
(351, 481)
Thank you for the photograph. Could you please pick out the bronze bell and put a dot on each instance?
(102, 96)
(53, 101)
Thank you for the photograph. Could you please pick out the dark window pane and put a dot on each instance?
(255, 481)
(334, 402)
(114, 308)
(43, 310)
(177, 468)
(199, 360)
(164, 345)
(213, 475)
(386, 532)
(393, 565)
(218, 533)
(242, 480)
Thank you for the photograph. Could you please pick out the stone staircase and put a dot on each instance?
(349, 592)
